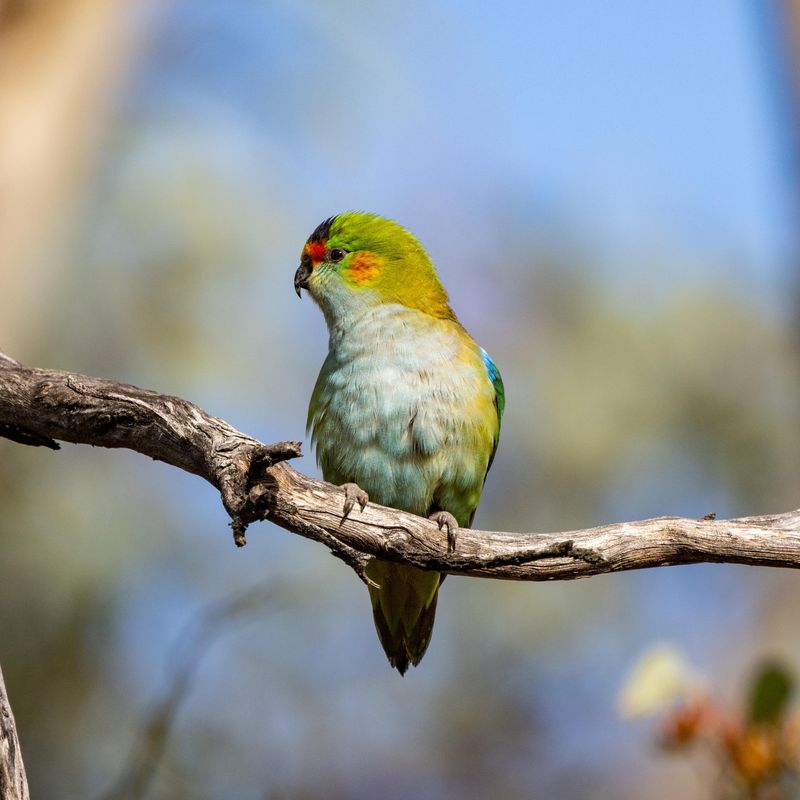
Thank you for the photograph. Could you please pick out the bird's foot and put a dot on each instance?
(442, 518)
(353, 494)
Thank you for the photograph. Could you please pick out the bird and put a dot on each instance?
(407, 407)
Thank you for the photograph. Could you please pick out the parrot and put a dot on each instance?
(406, 410)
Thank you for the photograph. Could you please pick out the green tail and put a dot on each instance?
(404, 609)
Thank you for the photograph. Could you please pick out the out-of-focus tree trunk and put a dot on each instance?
(60, 63)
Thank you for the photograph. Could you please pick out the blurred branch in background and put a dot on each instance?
(779, 23)
(199, 636)
(60, 64)
(38, 406)
(785, 29)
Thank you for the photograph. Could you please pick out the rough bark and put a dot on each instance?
(13, 783)
(40, 406)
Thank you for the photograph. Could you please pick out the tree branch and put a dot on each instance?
(13, 783)
(39, 406)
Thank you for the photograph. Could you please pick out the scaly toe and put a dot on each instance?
(442, 518)
(353, 494)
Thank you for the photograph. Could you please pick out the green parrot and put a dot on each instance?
(406, 409)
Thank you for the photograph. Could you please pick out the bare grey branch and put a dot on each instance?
(41, 405)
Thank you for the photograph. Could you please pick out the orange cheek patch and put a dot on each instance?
(364, 267)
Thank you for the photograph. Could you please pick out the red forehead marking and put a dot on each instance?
(317, 251)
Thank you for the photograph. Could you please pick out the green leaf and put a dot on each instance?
(770, 693)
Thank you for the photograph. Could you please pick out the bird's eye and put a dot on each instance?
(337, 254)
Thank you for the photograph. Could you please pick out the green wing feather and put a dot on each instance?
(499, 407)
(499, 401)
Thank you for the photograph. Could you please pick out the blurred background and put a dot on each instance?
(610, 192)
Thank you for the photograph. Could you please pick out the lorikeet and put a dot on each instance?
(407, 407)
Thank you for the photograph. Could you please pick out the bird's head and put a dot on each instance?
(355, 261)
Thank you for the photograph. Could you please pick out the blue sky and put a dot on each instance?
(630, 119)
(629, 123)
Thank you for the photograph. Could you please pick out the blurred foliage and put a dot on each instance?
(659, 678)
(770, 693)
(646, 383)
(746, 754)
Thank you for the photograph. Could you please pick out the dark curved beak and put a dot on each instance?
(301, 278)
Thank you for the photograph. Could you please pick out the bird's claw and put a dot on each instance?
(442, 518)
(353, 494)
